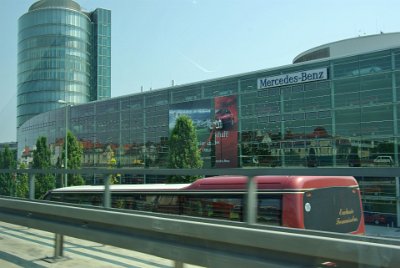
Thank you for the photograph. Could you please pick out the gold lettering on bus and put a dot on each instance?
(346, 216)
(345, 212)
(340, 221)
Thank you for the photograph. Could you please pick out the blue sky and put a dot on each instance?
(157, 41)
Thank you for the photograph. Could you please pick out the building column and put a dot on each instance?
(144, 138)
(396, 139)
(333, 116)
(239, 105)
(282, 126)
(395, 125)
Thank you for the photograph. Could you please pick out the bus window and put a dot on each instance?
(74, 198)
(118, 202)
(57, 197)
(125, 201)
(96, 200)
(192, 206)
(269, 210)
(167, 204)
(130, 203)
(85, 199)
(145, 202)
(228, 208)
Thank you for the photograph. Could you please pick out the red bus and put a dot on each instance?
(326, 203)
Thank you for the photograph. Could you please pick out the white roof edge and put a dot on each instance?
(119, 187)
(367, 40)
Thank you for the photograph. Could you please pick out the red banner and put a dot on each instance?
(226, 139)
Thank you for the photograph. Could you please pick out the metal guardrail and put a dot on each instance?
(203, 242)
(320, 171)
(206, 243)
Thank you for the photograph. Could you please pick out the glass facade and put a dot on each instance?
(57, 46)
(101, 60)
(347, 118)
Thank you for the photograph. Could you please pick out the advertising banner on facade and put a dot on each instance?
(226, 140)
(200, 113)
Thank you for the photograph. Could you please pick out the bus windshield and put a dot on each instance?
(335, 209)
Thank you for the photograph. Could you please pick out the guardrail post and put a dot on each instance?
(107, 194)
(178, 264)
(58, 246)
(251, 198)
(32, 186)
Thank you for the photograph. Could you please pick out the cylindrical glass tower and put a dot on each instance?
(54, 57)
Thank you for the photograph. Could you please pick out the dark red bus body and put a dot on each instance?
(326, 203)
(293, 189)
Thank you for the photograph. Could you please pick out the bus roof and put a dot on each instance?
(272, 182)
(229, 183)
(123, 187)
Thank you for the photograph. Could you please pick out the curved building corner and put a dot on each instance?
(64, 57)
(351, 46)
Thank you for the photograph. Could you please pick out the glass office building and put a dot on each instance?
(64, 57)
(336, 106)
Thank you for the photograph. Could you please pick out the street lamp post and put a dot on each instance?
(59, 238)
(65, 141)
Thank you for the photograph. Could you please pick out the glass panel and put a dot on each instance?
(347, 86)
(347, 100)
(383, 128)
(345, 69)
(377, 113)
(375, 65)
(269, 210)
(376, 82)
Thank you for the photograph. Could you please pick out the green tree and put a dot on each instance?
(183, 151)
(41, 160)
(75, 152)
(8, 160)
(112, 163)
(22, 183)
